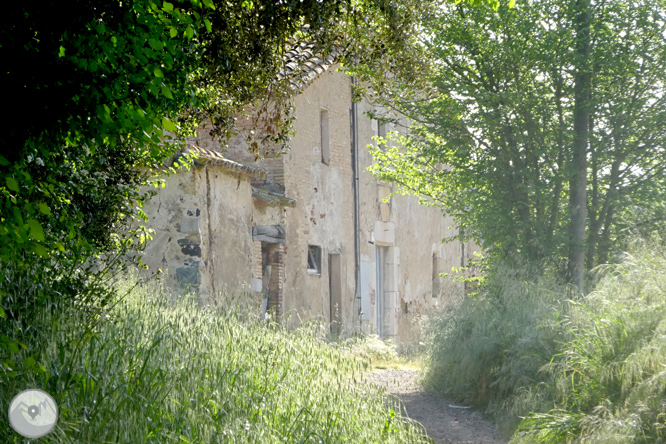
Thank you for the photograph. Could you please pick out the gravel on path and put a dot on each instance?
(442, 420)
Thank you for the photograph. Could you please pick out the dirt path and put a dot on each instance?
(444, 424)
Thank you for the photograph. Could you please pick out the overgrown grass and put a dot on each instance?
(556, 370)
(157, 371)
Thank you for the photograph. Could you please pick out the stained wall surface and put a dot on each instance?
(204, 218)
(202, 223)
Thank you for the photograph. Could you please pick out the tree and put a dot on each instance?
(581, 124)
(501, 145)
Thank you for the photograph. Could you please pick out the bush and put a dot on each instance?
(587, 370)
(154, 369)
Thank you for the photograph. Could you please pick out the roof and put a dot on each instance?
(213, 157)
(303, 64)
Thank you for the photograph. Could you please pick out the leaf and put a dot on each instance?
(168, 7)
(173, 32)
(209, 27)
(17, 215)
(189, 32)
(29, 362)
(155, 44)
(36, 230)
(13, 347)
(44, 209)
(158, 72)
(40, 250)
(169, 125)
(2, 313)
(12, 184)
(3, 161)
(209, 4)
(167, 92)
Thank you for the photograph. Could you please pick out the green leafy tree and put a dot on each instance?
(501, 143)
(97, 91)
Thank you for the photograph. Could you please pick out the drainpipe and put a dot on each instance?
(357, 231)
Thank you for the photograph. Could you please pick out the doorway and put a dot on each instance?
(335, 292)
(270, 280)
(381, 253)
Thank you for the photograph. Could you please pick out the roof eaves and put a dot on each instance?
(303, 64)
(213, 157)
(272, 199)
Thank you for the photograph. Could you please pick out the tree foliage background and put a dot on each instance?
(493, 145)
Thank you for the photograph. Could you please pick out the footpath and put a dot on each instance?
(444, 422)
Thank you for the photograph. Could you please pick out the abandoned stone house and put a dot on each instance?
(306, 234)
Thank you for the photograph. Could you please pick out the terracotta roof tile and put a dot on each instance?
(303, 65)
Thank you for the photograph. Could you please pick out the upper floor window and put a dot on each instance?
(325, 147)
(381, 129)
(436, 280)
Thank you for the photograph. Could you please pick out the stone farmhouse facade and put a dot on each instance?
(307, 234)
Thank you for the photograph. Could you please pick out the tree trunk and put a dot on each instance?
(594, 205)
(581, 115)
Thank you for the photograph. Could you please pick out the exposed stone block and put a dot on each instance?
(188, 276)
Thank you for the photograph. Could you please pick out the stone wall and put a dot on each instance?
(175, 215)
(202, 222)
(324, 201)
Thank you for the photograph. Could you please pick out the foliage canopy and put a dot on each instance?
(493, 146)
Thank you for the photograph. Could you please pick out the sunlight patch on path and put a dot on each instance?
(444, 425)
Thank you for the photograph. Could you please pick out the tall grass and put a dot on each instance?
(556, 370)
(489, 348)
(156, 370)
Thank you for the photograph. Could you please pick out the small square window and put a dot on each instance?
(314, 259)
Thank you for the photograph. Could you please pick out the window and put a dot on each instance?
(381, 129)
(323, 126)
(435, 277)
(382, 132)
(314, 259)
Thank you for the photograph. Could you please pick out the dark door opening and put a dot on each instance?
(335, 292)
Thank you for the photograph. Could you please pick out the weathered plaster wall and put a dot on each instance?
(228, 232)
(202, 222)
(175, 215)
(323, 215)
(410, 233)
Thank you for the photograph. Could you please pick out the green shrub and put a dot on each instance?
(609, 375)
(486, 350)
(557, 370)
(157, 370)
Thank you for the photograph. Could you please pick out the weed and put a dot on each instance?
(559, 370)
(156, 369)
